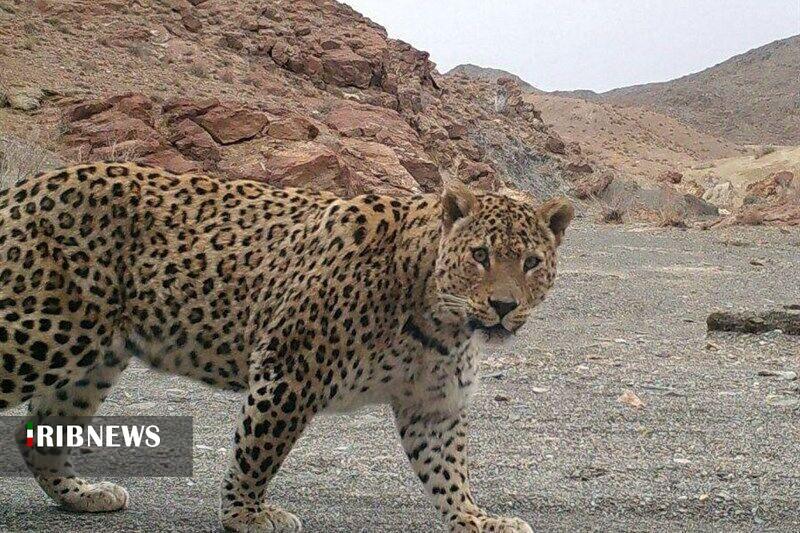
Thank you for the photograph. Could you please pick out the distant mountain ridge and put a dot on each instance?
(752, 98)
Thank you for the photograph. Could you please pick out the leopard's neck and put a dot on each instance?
(419, 235)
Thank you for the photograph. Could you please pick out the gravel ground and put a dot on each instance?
(716, 446)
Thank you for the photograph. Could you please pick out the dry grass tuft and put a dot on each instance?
(672, 217)
(762, 151)
(197, 70)
(615, 209)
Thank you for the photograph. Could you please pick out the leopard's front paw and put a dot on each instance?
(77, 495)
(488, 524)
(264, 520)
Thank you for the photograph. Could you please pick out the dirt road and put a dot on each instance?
(716, 446)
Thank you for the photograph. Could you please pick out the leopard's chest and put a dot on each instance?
(442, 382)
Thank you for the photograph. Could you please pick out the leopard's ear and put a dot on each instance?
(457, 202)
(557, 213)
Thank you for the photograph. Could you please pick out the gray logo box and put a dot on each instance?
(172, 457)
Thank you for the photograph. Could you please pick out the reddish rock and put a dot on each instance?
(228, 124)
(84, 110)
(109, 127)
(232, 41)
(329, 44)
(592, 186)
(194, 142)
(470, 171)
(134, 105)
(409, 99)
(281, 52)
(555, 145)
(358, 120)
(312, 66)
(580, 168)
(670, 176)
(178, 109)
(293, 129)
(377, 168)
(456, 131)
(172, 161)
(774, 186)
(424, 171)
(345, 68)
(307, 164)
(191, 22)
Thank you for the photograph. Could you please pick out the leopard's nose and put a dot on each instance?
(502, 307)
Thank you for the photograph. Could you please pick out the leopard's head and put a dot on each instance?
(497, 257)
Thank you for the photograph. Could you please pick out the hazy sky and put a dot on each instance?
(585, 44)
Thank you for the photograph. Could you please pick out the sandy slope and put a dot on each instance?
(640, 143)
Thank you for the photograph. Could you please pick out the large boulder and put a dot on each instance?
(193, 141)
(293, 129)
(722, 194)
(178, 109)
(670, 176)
(773, 187)
(424, 171)
(306, 164)
(345, 68)
(360, 120)
(377, 168)
(228, 123)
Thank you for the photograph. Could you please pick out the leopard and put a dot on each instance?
(303, 301)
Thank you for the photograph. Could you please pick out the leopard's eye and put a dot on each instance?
(531, 262)
(481, 255)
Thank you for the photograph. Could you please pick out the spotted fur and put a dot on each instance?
(304, 301)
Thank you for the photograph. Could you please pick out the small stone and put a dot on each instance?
(586, 473)
(631, 400)
(540, 390)
(786, 375)
(779, 400)
(191, 23)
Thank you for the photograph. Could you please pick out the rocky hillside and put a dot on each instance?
(306, 92)
(490, 74)
(753, 98)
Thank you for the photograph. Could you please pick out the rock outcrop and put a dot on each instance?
(305, 93)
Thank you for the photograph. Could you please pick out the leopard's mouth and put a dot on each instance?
(493, 332)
